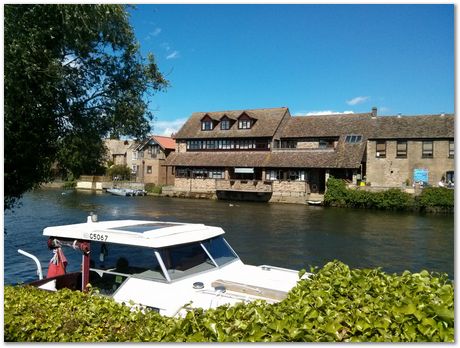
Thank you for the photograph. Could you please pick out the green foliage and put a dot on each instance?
(339, 195)
(336, 305)
(121, 171)
(74, 74)
(152, 188)
(436, 197)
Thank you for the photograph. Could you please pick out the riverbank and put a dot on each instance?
(436, 200)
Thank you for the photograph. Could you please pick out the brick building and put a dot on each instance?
(269, 154)
(146, 158)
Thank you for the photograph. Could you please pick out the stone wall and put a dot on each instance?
(195, 185)
(181, 146)
(291, 186)
(393, 172)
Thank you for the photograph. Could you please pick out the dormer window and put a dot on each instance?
(206, 125)
(244, 124)
(225, 124)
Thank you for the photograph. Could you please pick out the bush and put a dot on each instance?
(152, 188)
(436, 197)
(431, 198)
(336, 304)
(336, 193)
(120, 171)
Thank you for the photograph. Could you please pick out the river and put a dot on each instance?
(292, 236)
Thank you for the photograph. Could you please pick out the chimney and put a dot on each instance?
(374, 112)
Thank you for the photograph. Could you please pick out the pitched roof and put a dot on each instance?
(117, 147)
(165, 142)
(381, 127)
(332, 125)
(266, 124)
(347, 156)
(413, 127)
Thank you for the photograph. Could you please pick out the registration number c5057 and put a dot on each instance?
(98, 236)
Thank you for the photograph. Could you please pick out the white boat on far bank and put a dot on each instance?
(168, 267)
(126, 192)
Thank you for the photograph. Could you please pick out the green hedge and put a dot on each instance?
(431, 199)
(336, 304)
(152, 188)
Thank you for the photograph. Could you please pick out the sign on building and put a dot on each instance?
(421, 175)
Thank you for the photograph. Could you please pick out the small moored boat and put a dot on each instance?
(164, 266)
(126, 192)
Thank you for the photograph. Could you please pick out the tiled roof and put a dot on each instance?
(413, 127)
(266, 124)
(347, 156)
(327, 125)
(218, 159)
(165, 142)
(380, 127)
(117, 147)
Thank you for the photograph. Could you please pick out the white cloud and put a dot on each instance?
(168, 127)
(156, 32)
(322, 112)
(173, 55)
(153, 33)
(357, 100)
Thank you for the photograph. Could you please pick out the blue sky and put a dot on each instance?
(310, 58)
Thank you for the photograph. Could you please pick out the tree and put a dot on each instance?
(73, 75)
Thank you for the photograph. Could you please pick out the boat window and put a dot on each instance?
(125, 259)
(184, 260)
(219, 250)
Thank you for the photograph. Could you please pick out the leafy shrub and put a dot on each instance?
(121, 171)
(152, 188)
(336, 304)
(393, 199)
(339, 195)
(436, 197)
(336, 193)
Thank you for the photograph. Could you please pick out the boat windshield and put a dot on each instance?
(109, 261)
(126, 260)
(220, 250)
(187, 259)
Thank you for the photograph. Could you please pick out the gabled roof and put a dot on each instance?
(166, 143)
(267, 123)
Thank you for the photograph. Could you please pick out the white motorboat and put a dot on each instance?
(121, 191)
(164, 266)
(126, 192)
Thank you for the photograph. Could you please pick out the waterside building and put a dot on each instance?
(267, 154)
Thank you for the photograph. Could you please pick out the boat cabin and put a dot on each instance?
(158, 251)
(164, 266)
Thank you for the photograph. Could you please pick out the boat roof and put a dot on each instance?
(154, 234)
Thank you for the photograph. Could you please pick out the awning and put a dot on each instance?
(244, 170)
